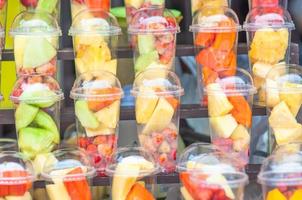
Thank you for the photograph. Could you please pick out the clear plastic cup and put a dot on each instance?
(212, 175)
(8, 144)
(16, 176)
(50, 6)
(97, 97)
(267, 3)
(2, 36)
(268, 38)
(281, 176)
(68, 175)
(36, 36)
(157, 101)
(132, 174)
(134, 6)
(152, 33)
(37, 114)
(199, 4)
(79, 5)
(284, 99)
(215, 40)
(230, 100)
(95, 39)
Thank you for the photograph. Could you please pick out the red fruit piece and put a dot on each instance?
(96, 105)
(2, 3)
(83, 142)
(157, 138)
(98, 4)
(101, 139)
(162, 158)
(17, 189)
(29, 3)
(91, 148)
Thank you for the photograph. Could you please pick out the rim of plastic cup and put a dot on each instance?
(7, 143)
(113, 30)
(142, 173)
(256, 26)
(42, 30)
(58, 96)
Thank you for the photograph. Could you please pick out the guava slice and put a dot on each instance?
(85, 116)
(24, 115)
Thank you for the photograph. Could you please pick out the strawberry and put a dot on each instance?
(82, 142)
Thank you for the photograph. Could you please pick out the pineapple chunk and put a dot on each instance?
(186, 195)
(241, 138)
(287, 135)
(261, 69)
(272, 93)
(223, 126)
(281, 117)
(292, 99)
(109, 116)
(218, 103)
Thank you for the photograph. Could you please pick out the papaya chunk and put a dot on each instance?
(139, 192)
(241, 110)
(209, 75)
(224, 41)
(229, 65)
(204, 39)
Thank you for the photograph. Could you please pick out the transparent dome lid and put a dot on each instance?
(152, 20)
(132, 160)
(268, 17)
(285, 79)
(97, 85)
(282, 169)
(15, 168)
(68, 163)
(215, 19)
(35, 23)
(94, 21)
(161, 81)
(36, 89)
(232, 83)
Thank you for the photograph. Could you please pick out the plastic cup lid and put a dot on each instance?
(153, 20)
(92, 21)
(208, 19)
(160, 81)
(97, 85)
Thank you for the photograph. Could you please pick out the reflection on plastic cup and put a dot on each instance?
(8, 144)
(211, 175)
(230, 100)
(36, 36)
(95, 38)
(152, 33)
(267, 3)
(68, 175)
(79, 5)
(132, 174)
(37, 114)
(268, 38)
(199, 4)
(97, 97)
(283, 88)
(157, 100)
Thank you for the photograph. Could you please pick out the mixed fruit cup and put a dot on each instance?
(199, 4)
(267, 3)
(153, 39)
(79, 5)
(50, 6)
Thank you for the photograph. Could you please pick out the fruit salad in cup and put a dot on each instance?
(37, 114)
(268, 37)
(68, 176)
(153, 38)
(95, 37)
(79, 5)
(132, 174)
(36, 36)
(267, 3)
(198, 4)
(50, 6)
(97, 97)
(17, 176)
(157, 102)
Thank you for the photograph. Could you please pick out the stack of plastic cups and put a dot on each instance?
(267, 3)
(97, 96)
(284, 99)
(132, 7)
(79, 5)
(215, 39)
(132, 174)
(68, 175)
(95, 39)
(152, 33)
(50, 6)
(16, 176)
(206, 173)
(157, 101)
(199, 4)
(280, 176)
(268, 39)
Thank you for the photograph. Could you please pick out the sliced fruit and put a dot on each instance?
(146, 43)
(204, 39)
(145, 104)
(281, 117)
(288, 135)
(19, 47)
(85, 116)
(272, 93)
(292, 99)
(241, 110)
(297, 195)
(43, 120)
(261, 69)
(26, 196)
(47, 5)
(109, 116)
(18, 189)
(44, 98)
(143, 61)
(139, 192)
(110, 66)
(123, 180)
(160, 118)
(221, 180)
(224, 41)
(98, 104)
(101, 130)
(241, 138)
(43, 159)
(185, 194)
(134, 3)
(218, 103)
(89, 39)
(24, 115)
(275, 194)
(223, 126)
(57, 191)
(38, 51)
